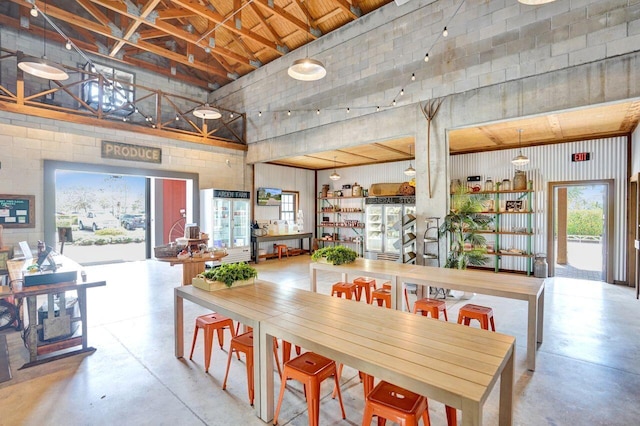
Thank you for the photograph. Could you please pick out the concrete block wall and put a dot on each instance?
(25, 142)
(489, 43)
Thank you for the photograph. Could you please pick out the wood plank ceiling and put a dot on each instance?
(204, 42)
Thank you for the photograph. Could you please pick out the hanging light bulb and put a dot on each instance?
(377, 109)
(426, 57)
(348, 110)
(394, 102)
(520, 159)
(413, 77)
(42, 67)
(289, 112)
(334, 175)
(68, 45)
(445, 32)
(307, 69)
(259, 113)
(401, 92)
(317, 112)
(410, 171)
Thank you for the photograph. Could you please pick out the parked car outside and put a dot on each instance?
(97, 220)
(133, 221)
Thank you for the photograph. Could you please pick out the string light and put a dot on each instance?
(177, 117)
(231, 115)
(259, 113)
(34, 11)
(444, 33)
(68, 45)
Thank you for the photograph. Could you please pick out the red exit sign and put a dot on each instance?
(581, 156)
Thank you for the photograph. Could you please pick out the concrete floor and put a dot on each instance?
(588, 370)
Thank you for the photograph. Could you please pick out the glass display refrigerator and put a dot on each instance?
(383, 226)
(225, 217)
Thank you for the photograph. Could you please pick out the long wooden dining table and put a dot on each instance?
(510, 286)
(453, 364)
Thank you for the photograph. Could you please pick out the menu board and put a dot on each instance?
(17, 211)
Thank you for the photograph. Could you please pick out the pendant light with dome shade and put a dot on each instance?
(207, 112)
(307, 69)
(334, 175)
(42, 67)
(520, 159)
(410, 171)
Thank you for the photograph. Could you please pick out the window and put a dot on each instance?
(289, 206)
(117, 97)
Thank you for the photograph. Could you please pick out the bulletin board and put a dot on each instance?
(17, 211)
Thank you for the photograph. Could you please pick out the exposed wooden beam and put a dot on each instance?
(174, 31)
(219, 20)
(265, 25)
(145, 11)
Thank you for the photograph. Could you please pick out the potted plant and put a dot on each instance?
(466, 246)
(225, 275)
(335, 255)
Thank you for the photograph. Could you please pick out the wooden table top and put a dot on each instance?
(257, 302)
(505, 285)
(446, 361)
(207, 257)
(19, 290)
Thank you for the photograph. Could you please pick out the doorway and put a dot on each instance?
(580, 229)
(154, 202)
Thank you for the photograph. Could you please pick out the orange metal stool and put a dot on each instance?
(311, 369)
(281, 248)
(210, 323)
(481, 313)
(244, 343)
(364, 283)
(390, 402)
(340, 288)
(431, 306)
(380, 296)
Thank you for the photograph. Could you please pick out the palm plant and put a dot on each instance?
(462, 223)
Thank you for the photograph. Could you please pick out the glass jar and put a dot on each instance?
(488, 184)
(506, 185)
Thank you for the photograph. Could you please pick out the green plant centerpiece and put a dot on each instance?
(462, 223)
(228, 273)
(336, 255)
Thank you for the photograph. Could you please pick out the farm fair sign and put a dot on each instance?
(125, 151)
